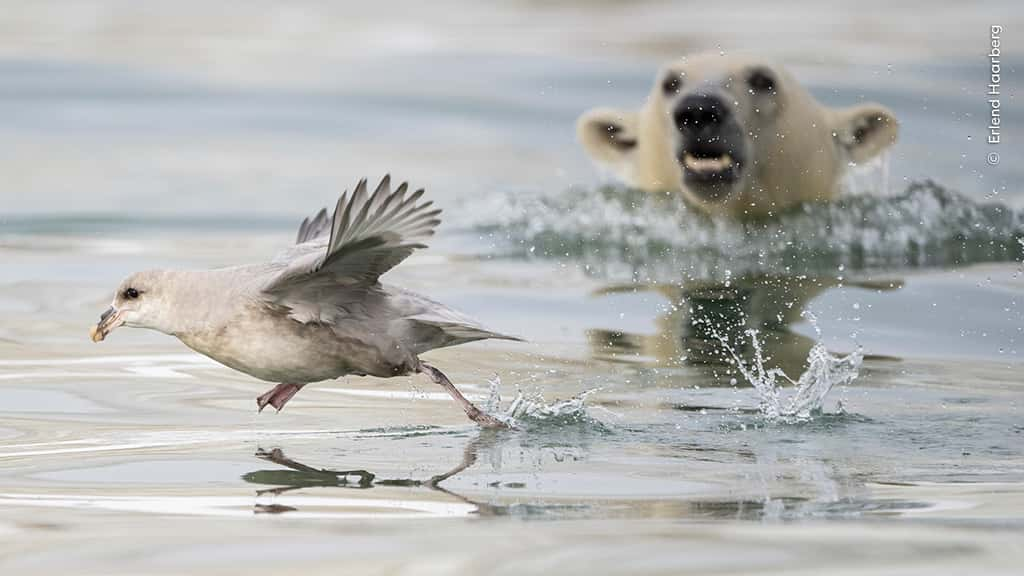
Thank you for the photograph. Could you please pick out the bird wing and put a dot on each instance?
(368, 235)
(313, 229)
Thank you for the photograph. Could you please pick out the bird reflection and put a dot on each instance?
(766, 474)
(299, 476)
(700, 315)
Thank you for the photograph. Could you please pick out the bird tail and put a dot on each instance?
(430, 334)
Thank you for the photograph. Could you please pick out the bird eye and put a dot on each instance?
(760, 81)
(130, 294)
(671, 84)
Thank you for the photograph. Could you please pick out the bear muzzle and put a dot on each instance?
(710, 146)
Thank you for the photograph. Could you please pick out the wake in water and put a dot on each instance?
(807, 398)
(623, 233)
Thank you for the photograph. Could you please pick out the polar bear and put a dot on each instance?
(736, 135)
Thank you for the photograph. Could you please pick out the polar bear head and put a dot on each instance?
(735, 135)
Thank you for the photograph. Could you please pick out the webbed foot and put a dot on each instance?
(278, 396)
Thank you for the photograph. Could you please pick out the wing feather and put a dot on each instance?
(312, 229)
(368, 235)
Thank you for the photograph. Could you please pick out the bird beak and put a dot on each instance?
(108, 321)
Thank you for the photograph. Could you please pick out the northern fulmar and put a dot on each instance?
(317, 311)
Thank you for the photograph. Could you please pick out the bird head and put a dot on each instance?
(139, 302)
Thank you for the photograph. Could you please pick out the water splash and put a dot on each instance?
(615, 232)
(527, 409)
(807, 398)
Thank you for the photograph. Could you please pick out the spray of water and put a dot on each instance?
(615, 232)
(806, 400)
(532, 408)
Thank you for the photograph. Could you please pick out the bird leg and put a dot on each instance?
(278, 396)
(475, 414)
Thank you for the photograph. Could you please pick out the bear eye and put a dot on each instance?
(761, 81)
(130, 294)
(671, 84)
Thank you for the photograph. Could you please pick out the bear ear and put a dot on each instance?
(609, 137)
(865, 131)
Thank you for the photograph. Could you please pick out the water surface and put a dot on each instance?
(199, 136)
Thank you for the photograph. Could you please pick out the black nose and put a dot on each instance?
(700, 111)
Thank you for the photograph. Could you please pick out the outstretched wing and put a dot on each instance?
(369, 235)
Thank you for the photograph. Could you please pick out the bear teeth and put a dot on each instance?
(707, 164)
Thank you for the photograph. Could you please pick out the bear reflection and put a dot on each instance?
(703, 317)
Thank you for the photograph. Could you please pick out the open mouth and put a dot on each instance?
(715, 166)
(704, 164)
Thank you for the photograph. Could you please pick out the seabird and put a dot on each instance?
(318, 310)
